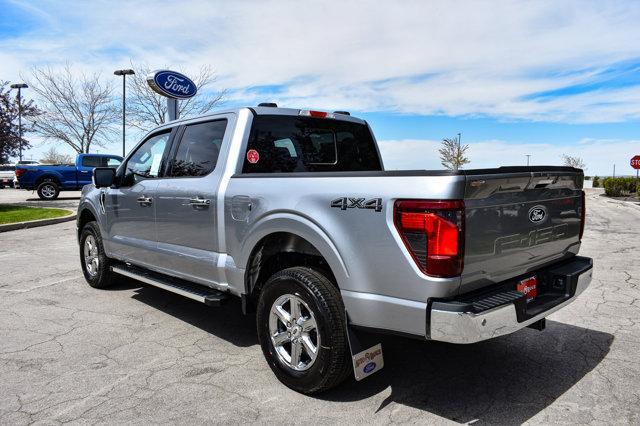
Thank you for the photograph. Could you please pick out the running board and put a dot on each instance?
(197, 292)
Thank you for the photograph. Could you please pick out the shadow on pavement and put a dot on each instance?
(226, 321)
(49, 201)
(505, 380)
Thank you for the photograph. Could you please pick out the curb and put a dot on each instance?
(40, 222)
(632, 204)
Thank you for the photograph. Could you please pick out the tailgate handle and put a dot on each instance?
(542, 183)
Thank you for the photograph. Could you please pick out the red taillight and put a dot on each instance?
(433, 232)
(583, 212)
(316, 114)
(19, 172)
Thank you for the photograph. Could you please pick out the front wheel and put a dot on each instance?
(48, 190)
(302, 330)
(96, 266)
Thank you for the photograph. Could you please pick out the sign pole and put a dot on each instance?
(635, 163)
(172, 109)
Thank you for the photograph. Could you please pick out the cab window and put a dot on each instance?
(146, 162)
(92, 161)
(113, 162)
(199, 148)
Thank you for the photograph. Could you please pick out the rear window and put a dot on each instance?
(289, 144)
(7, 168)
(91, 161)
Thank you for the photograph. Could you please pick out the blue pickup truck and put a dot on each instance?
(49, 180)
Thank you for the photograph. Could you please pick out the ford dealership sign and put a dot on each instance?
(172, 84)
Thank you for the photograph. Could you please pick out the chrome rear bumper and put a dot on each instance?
(469, 327)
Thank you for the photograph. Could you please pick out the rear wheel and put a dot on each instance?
(96, 266)
(48, 190)
(302, 330)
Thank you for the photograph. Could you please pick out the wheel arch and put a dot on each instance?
(86, 214)
(287, 240)
(49, 176)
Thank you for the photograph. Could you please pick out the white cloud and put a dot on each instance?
(599, 155)
(416, 57)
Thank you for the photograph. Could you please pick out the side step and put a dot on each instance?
(200, 293)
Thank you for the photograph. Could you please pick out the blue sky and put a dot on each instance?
(515, 78)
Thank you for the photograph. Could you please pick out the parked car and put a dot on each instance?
(292, 211)
(49, 180)
(7, 174)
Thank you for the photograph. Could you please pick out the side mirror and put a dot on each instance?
(104, 177)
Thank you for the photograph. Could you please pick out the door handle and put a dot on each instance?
(144, 201)
(199, 202)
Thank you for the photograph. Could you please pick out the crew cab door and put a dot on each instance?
(130, 208)
(186, 214)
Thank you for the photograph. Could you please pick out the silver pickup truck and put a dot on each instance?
(292, 211)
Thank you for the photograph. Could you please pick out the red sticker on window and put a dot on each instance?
(252, 156)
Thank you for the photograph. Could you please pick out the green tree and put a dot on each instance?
(9, 132)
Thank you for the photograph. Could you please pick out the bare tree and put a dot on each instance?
(52, 156)
(147, 109)
(576, 162)
(452, 153)
(78, 109)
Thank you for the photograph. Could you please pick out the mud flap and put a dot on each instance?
(365, 362)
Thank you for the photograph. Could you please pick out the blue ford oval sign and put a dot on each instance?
(172, 84)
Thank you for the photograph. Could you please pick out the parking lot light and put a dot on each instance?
(124, 73)
(19, 86)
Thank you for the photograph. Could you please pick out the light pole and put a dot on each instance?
(19, 86)
(123, 73)
(528, 155)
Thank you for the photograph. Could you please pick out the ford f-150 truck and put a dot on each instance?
(293, 212)
(49, 180)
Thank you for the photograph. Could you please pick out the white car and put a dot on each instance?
(7, 175)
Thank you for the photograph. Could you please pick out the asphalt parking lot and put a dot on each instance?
(138, 355)
(67, 199)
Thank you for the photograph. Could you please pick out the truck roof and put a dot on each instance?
(99, 155)
(262, 110)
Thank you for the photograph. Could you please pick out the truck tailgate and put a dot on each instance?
(519, 219)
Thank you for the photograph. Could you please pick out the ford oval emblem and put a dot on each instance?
(172, 84)
(537, 214)
(369, 367)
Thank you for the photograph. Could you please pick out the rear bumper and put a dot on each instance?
(482, 317)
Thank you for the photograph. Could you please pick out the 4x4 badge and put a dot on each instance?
(360, 203)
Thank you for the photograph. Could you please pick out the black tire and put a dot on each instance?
(332, 363)
(48, 190)
(101, 276)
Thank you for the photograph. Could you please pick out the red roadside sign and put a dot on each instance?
(635, 162)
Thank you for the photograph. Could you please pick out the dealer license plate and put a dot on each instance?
(528, 286)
